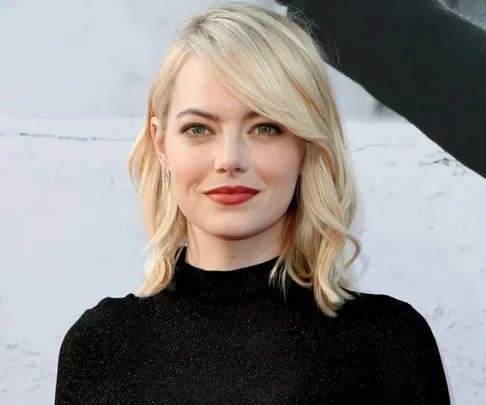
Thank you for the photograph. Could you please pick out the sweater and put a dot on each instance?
(231, 337)
(418, 58)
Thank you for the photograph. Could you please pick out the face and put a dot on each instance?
(212, 140)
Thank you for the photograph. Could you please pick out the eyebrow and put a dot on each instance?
(213, 117)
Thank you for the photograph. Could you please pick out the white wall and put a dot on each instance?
(70, 231)
(86, 58)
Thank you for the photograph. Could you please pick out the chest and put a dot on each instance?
(231, 361)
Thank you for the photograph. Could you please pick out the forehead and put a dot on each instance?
(196, 85)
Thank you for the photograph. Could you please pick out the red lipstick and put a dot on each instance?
(232, 195)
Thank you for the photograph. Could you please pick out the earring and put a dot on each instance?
(165, 180)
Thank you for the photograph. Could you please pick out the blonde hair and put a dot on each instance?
(275, 67)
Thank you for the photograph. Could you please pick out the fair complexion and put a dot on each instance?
(213, 140)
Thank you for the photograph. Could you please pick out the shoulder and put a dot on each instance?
(104, 321)
(391, 328)
(379, 305)
(386, 315)
(108, 311)
(400, 344)
(86, 352)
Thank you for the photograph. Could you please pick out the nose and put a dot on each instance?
(230, 154)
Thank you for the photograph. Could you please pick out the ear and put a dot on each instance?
(157, 138)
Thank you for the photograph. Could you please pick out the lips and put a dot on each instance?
(231, 195)
(233, 190)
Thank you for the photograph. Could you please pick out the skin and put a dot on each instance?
(237, 148)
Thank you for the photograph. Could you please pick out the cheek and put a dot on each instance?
(184, 174)
(287, 180)
(187, 169)
(282, 168)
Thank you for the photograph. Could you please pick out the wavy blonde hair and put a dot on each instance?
(276, 68)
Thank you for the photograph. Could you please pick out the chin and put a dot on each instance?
(235, 233)
(236, 228)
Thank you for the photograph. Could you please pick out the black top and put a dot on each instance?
(418, 58)
(229, 337)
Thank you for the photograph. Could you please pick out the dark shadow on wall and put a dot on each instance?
(473, 10)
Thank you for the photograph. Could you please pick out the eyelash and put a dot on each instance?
(276, 128)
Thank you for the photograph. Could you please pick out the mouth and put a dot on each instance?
(232, 195)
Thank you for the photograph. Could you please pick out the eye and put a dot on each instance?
(268, 129)
(194, 130)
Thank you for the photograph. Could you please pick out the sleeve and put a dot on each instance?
(410, 369)
(417, 57)
(78, 363)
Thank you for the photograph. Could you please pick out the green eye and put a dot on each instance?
(268, 129)
(195, 130)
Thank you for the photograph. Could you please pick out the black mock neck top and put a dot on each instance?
(230, 337)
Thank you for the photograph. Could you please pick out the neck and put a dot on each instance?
(210, 252)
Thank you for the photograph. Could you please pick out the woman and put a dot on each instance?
(419, 58)
(249, 202)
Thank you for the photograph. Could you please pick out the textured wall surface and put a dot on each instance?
(86, 58)
(70, 235)
(474, 10)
